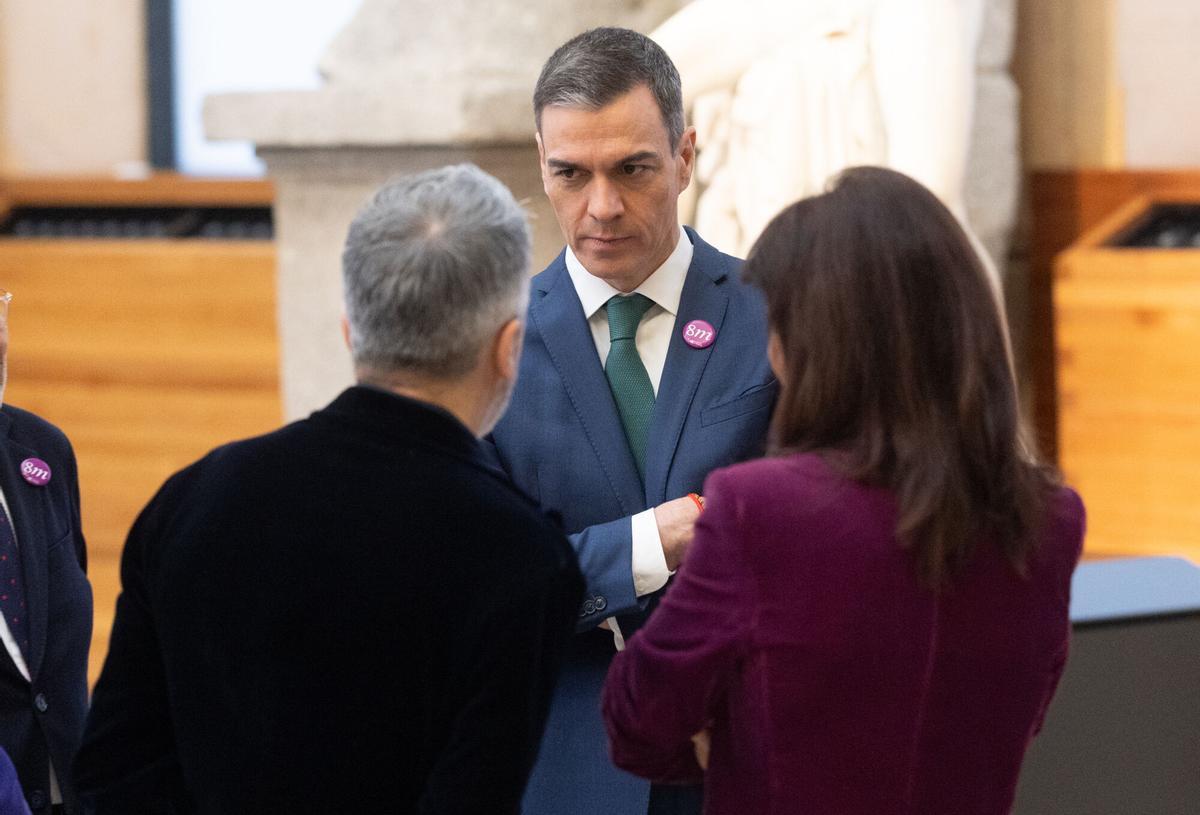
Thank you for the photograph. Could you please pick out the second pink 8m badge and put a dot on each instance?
(699, 334)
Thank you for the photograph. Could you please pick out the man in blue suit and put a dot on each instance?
(644, 368)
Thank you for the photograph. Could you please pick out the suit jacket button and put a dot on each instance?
(601, 603)
(40, 703)
(589, 608)
(37, 799)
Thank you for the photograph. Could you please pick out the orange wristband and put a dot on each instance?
(699, 501)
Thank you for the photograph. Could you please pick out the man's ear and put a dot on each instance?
(346, 331)
(507, 349)
(687, 157)
(775, 355)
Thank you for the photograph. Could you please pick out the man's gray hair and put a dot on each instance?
(433, 266)
(592, 69)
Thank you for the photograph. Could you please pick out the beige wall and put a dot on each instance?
(1105, 83)
(72, 88)
(1158, 69)
(1064, 64)
(1109, 83)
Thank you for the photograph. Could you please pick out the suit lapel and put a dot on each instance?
(558, 316)
(702, 299)
(27, 509)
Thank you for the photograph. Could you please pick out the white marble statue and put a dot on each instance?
(786, 94)
(466, 45)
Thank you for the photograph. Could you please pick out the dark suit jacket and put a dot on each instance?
(354, 613)
(42, 720)
(562, 442)
(832, 680)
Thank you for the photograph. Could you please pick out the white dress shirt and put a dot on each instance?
(663, 287)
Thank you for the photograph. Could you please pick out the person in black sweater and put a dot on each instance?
(355, 613)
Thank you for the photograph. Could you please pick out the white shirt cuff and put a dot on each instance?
(618, 637)
(650, 571)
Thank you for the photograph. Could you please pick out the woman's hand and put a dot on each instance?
(701, 743)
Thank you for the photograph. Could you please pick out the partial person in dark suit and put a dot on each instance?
(874, 619)
(644, 368)
(12, 799)
(45, 600)
(355, 613)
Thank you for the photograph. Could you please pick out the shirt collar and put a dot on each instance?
(664, 285)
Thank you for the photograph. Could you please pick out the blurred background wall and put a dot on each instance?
(1105, 83)
(72, 85)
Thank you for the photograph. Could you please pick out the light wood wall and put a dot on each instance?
(1106, 348)
(147, 354)
(1127, 324)
(1064, 205)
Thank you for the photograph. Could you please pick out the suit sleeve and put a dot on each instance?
(127, 762)
(605, 555)
(506, 678)
(12, 799)
(665, 686)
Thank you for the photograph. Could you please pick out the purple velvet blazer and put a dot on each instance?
(830, 679)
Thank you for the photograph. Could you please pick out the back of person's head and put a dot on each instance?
(432, 268)
(895, 363)
(596, 67)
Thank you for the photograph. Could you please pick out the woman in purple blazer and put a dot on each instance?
(874, 619)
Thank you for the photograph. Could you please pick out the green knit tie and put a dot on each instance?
(627, 377)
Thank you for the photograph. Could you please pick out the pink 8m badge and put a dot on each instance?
(35, 471)
(699, 334)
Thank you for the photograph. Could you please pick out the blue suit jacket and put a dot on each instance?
(47, 522)
(561, 441)
(12, 799)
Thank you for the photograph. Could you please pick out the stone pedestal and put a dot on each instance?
(993, 163)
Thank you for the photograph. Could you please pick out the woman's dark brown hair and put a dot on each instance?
(896, 365)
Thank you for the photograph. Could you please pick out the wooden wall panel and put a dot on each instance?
(147, 354)
(1064, 205)
(1127, 324)
(158, 190)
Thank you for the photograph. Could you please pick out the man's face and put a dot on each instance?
(614, 180)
